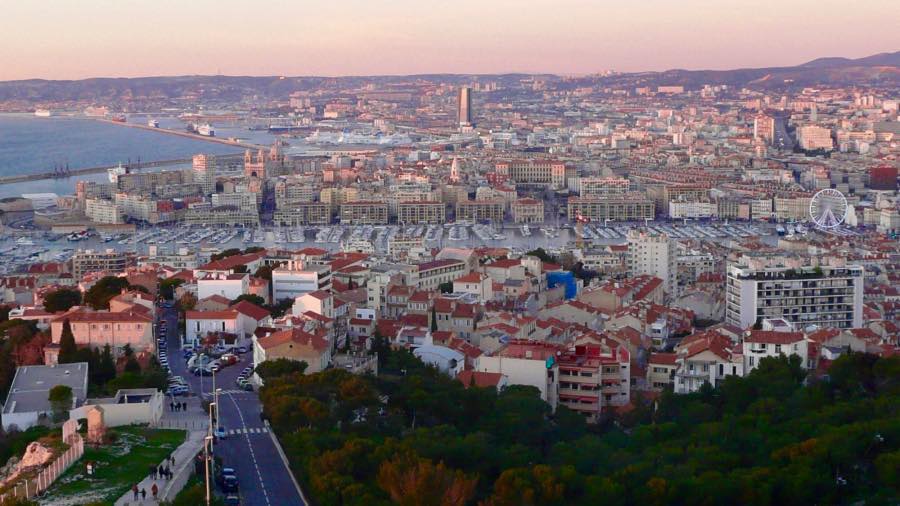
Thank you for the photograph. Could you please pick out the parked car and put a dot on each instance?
(177, 390)
(241, 349)
(220, 432)
(233, 500)
(228, 359)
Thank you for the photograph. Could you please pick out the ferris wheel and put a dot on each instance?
(828, 208)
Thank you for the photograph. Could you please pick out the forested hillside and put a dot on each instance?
(413, 436)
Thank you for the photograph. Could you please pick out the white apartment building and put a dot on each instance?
(653, 254)
(230, 286)
(813, 137)
(759, 344)
(103, 211)
(803, 295)
(296, 278)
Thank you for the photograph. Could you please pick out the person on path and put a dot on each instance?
(171, 406)
(143, 493)
(161, 471)
(134, 489)
(172, 459)
(155, 490)
(168, 473)
(184, 406)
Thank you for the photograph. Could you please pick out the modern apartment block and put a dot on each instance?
(592, 378)
(364, 213)
(803, 295)
(110, 260)
(655, 255)
(420, 213)
(480, 210)
(303, 213)
(624, 207)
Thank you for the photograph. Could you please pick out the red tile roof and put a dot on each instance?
(250, 309)
(479, 379)
(296, 336)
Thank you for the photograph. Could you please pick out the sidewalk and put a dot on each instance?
(168, 489)
(192, 419)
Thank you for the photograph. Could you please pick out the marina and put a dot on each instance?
(21, 248)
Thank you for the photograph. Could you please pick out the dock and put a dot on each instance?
(189, 135)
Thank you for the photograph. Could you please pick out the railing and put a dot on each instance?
(36, 485)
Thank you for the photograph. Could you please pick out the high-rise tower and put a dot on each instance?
(465, 106)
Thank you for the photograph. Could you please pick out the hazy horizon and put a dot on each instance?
(99, 38)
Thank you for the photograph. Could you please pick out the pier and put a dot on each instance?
(219, 140)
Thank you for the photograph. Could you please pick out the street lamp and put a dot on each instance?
(212, 405)
(216, 404)
(206, 445)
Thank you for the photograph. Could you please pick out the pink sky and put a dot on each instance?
(89, 38)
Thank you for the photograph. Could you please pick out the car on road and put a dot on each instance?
(233, 500)
(177, 390)
(203, 371)
(228, 359)
(220, 432)
(241, 350)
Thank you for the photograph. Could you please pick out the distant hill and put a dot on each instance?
(881, 69)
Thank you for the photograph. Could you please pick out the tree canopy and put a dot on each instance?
(271, 369)
(106, 288)
(414, 436)
(62, 299)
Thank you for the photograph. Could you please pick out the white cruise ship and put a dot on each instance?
(43, 113)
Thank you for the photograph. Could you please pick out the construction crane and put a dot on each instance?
(580, 220)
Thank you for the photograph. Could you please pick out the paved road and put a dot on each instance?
(248, 447)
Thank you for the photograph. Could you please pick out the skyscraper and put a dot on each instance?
(465, 106)
(205, 172)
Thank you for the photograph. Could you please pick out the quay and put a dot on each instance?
(189, 135)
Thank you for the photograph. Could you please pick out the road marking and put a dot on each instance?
(262, 484)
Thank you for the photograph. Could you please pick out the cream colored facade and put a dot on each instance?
(480, 210)
(792, 208)
(364, 213)
(103, 211)
(419, 213)
(628, 207)
(309, 213)
(603, 186)
(528, 211)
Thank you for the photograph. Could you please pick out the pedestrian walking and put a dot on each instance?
(155, 490)
(172, 459)
(171, 406)
(143, 493)
(134, 489)
(177, 406)
(184, 406)
(161, 471)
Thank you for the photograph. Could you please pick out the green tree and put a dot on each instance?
(446, 287)
(413, 481)
(280, 367)
(278, 310)
(67, 347)
(98, 296)
(62, 300)
(543, 256)
(60, 398)
(264, 272)
(230, 252)
(105, 370)
(434, 323)
(252, 298)
(167, 287)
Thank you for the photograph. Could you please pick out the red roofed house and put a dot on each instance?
(475, 283)
(320, 302)
(759, 344)
(706, 358)
(483, 379)
(99, 328)
(199, 324)
(531, 363)
(294, 344)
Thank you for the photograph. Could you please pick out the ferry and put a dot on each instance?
(206, 130)
(43, 113)
(119, 119)
(152, 123)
